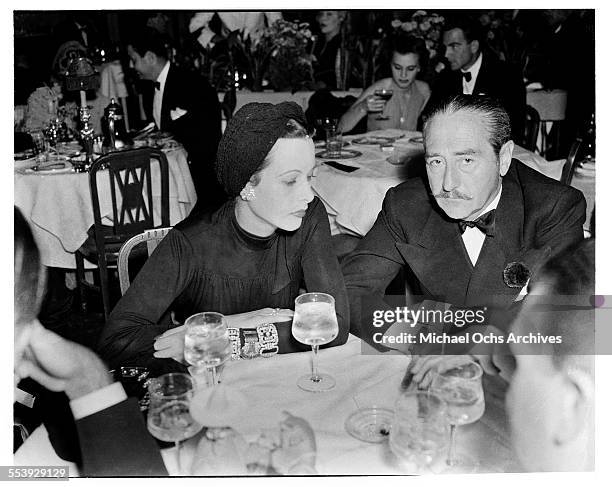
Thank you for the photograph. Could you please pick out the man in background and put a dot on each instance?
(474, 70)
(185, 105)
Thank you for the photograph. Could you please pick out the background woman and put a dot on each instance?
(409, 94)
(327, 49)
(248, 259)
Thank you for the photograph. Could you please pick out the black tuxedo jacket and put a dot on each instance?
(495, 78)
(536, 218)
(199, 130)
(111, 442)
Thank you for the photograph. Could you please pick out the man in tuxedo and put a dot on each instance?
(473, 233)
(185, 105)
(111, 438)
(474, 70)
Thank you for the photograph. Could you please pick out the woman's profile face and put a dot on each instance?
(283, 192)
(330, 22)
(404, 69)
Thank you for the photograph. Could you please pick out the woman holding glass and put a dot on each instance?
(395, 102)
(247, 260)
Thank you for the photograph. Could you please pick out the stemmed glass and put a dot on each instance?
(386, 96)
(315, 324)
(168, 418)
(207, 343)
(419, 428)
(460, 386)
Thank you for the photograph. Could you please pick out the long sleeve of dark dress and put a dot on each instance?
(213, 265)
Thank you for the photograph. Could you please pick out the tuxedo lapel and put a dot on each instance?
(438, 260)
(487, 282)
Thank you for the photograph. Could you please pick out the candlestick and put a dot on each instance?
(83, 99)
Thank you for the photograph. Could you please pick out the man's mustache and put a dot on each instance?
(453, 194)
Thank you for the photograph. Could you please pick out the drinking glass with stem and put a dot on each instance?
(207, 343)
(168, 418)
(460, 386)
(386, 96)
(419, 429)
(315, 323)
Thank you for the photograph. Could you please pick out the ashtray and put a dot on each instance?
(371, 425)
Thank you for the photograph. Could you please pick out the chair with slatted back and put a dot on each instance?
(133, 178)
(151, 238)
(572, 161)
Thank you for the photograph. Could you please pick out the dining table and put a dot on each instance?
(382, 159)
(57, 203)
(364, 378)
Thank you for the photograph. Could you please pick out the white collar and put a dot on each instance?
(474, 68)
(162, 76)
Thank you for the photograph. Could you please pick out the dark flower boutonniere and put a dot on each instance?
(516, 274)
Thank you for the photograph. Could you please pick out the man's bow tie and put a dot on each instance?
(485, 223)
(467, 76)
(157, 85)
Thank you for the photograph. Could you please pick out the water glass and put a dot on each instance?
(419, 431)
(315, 323)
(207, 343)
(168, 418)
(460, 386)
(334, 142)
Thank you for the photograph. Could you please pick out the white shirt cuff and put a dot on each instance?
(98, 400)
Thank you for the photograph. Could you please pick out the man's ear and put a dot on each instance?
(150, 57)
(474, 46)
(575, 408)
(505, 157)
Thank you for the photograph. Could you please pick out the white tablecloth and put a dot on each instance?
(354, 199)
(269, 386)
(59, 210)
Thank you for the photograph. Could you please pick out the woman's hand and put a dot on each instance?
(374, 103)
(259, 317)
(171, 344)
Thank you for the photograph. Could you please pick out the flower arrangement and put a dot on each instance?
(423, 25)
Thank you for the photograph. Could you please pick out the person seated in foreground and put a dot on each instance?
(469, 236)
(112, 437)
(551, 399)
(247, 260)
(410, 95)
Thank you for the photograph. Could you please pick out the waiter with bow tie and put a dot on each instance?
(475, 70)
(472, 234)
(185, 105)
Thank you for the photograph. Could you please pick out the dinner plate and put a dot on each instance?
(26, 155)
(373, 140)
(344, 154)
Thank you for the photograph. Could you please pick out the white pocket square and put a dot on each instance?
(177, 113)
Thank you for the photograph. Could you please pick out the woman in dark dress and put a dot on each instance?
(327, 48)
(247, 260)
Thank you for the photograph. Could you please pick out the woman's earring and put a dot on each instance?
(247, 194)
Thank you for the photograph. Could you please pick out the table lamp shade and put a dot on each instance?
(81, 75)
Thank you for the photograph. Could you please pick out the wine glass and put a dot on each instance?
(315, 324)
(207, 343)
(460, 386)
(386, 96)
(168, 418)
(419, 428)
